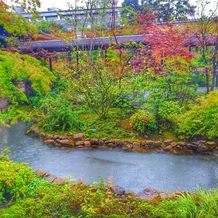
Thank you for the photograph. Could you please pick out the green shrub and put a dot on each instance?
(49, 201)
(58, 114)
(200, 119)
(14, 180)
(168, 108)
(166, 112)
(202, 204)
(143, 121)
(36, 183)
(36, 198)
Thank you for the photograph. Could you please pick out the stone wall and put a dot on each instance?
(78, 140)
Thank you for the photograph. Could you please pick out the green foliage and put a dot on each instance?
(4, 156)
(21, 68)
(14, 114)
(174, 87)
(202, 204)
(109, 128)
(49, 201)
(98, 88)
(166, 113)
(34, 100)
(35, 184)
(16, 67)
(30, 7)
(14, 180)
(200, 119)
(164, 11)
(143, 121)
(36, 198)
(14, 23)
(132, 93)
(129, 13)
(168, 108)
(124, 103)
(201, 62)
(58, 114)
(47, 26)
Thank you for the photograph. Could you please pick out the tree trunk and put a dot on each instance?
(214, 62)
(207, 80)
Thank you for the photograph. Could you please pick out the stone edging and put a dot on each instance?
(73, 141)
(146, 194)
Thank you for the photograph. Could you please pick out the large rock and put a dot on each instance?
(181, 145)
(128, 146)
(49, 136)
(94, 141)
(202, 147)
(181, 151)
(167, 194)
(34, 132)
(65, 142)
(148, 194)
(59, 181)
(167, 142)
(79, 143)
(56, 137)
(150, 143)
(144, 145)
(167, 147)
(50, 177)
(211, 145)
(78, 136)
(193, 146)
(40, 173)
(51, 142)
(118, 190)
(111, 145)
(136, 146)
(119, 144)
(156, 144)
(87, 143)
(101, 143)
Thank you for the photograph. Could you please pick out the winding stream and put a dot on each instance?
(132, 171)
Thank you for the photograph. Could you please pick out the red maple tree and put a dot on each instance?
(163, 44)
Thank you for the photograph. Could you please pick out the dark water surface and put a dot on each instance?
(133, 171)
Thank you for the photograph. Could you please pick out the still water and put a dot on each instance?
(132, 171)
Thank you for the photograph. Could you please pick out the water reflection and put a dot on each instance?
(133, 171)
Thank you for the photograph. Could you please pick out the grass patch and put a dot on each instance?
(110, 128)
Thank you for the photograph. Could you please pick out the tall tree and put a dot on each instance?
(16, 68)
(205, 34)
(131, 3)
(13, 22)
(30, 6)
(164, 44)
(168, 10)
(167, 60)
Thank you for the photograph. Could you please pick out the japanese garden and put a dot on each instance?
(109, 111)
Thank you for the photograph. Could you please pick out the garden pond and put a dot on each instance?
(131, 170)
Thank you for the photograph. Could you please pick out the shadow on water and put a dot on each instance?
(133, 171)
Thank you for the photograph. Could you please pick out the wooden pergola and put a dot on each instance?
(82, 43)
(86, 44)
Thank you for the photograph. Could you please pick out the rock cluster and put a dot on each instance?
(78, 141)
(51, 178)
(146, 194)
